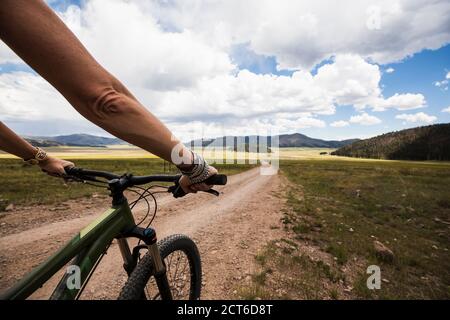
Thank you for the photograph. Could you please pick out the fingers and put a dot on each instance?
(55, 167)
(200, 187)
(52, 174)
(212, 171)
(187, 187)
(67, 165)
(192, 188)
(59, 170)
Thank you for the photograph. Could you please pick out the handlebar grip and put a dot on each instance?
(177, 191)
(71, 170)
(218, 179)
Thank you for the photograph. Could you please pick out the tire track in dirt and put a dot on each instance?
(229, 230)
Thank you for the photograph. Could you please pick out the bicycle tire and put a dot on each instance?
(142, 274)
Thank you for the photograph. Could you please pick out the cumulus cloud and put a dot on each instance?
(175, 58)
(365, 119)
(26, 96)
(348, 80)
(390, 70)
(443, 84)
(303, 33)
(339, 124)
(7, 55)
(446, 109)
(417, 117)
(406, 101)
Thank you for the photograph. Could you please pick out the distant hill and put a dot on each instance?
(285, 141)
(83, 140)
(422, 143)
(43, 143)
(300, 140)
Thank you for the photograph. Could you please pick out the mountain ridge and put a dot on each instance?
(78, 140)
(295, 140)
(285, 141)
(421, 143)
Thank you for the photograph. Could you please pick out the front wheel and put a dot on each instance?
(183, 270)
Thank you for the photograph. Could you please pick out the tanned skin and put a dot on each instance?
(37, 35)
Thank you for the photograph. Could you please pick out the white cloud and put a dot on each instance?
(348, 80)
(446, 109)
(175, 58)
(440, 83)
(298, 33)
(303, 33)
(263, 126)
(417, 117)
(443, 84)
(390, 70)
(7, 55)
(140, 53)
(339, 124)
(406, 101)
(365, 119)
(29, 97)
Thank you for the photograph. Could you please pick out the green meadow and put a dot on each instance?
(340, 208)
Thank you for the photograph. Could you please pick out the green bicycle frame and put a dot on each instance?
(86, 247)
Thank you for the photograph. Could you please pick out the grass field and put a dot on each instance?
(25, 185)
(338, 206)
(108, 152)
(341, 207)
(131, 152)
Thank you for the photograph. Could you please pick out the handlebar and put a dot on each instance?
(129, 180)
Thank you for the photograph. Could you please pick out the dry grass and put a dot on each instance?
(339, 208)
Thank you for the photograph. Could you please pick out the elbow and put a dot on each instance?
(109, 104)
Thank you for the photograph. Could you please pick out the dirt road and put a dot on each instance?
(229, 230)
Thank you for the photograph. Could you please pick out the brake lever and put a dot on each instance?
(213, 192)
(178, 192)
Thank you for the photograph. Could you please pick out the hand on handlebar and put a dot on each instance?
(188, 187)
(128, 180)
(55, 167)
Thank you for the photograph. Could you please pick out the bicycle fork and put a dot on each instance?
(149, 237)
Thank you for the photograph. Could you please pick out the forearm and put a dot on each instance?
(59, 57)
(12, 143)
(119, 113)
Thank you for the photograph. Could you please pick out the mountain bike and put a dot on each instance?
(170, 269)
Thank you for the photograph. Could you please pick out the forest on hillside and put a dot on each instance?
(421, 143)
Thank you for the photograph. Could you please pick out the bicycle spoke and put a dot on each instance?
(176, 270)
(180, 278)
(176, 274)
(182, 272)
(169, 265)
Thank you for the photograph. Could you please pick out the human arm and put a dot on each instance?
(12, 143)
(32, 30)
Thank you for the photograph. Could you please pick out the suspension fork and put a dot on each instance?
(147, 235)
(158, 264)
(129, 263)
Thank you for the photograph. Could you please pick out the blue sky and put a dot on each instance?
(417, 74)
(216, 74)
(61, 5)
